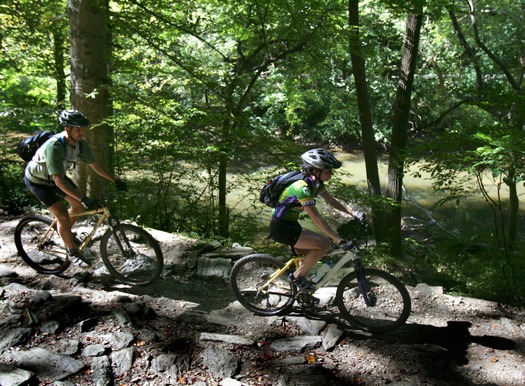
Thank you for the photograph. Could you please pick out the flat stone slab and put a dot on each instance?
(296, 343)
(46, 364)
(233, 339)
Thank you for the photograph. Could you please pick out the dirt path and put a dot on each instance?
(448, 340)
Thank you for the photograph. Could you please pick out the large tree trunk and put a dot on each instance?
(365, 113)
(89, 84)
(400, 130)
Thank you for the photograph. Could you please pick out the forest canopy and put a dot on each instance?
(192, 99)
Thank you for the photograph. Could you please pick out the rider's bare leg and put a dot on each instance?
(64, 223)
(314, 246)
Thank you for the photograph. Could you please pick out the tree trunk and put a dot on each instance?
(365, 114)
(60, 76)
(89, 84)
(400, 131)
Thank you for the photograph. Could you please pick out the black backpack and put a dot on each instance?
(28, 147)
(273, 189)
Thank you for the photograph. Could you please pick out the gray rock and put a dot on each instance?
(221, 362)
(94, 350)
(310, 327)
(218, 266)
(50, 327)
(172, 365)
(12, 376)
(331, 337)
(122, 361)
(233, 339)
(122, 316)
(46, 364)
(229, 382)
(13, 336)
(101, 371)
(68, 347)
(7, 272)
(296, 343)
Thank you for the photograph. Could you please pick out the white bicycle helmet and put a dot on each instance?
(320, 159)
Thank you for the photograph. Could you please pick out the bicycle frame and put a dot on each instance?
(349, 255)
(103, 211)
(363, 283)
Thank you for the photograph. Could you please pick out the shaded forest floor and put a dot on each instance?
(448, 340)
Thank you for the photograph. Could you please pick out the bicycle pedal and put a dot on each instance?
(306, 299)
(81, 261)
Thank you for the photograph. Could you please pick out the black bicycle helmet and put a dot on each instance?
(72, 118)
(320, 159)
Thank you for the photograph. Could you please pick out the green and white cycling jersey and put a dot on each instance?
(55, 158)
(295, 197)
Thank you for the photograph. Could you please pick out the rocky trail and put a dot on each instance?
(187, 329)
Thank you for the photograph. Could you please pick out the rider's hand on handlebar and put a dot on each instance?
(121, 186)
(92, 203)
(359, 216)
(347, 244)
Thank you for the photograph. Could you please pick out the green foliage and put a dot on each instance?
(199, 85)
(14, 196)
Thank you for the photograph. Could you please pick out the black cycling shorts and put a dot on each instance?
(285, 232)
(47, 194)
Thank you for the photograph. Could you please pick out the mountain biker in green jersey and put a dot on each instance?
(299, 197)
(45, 175)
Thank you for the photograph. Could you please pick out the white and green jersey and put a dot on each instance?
(55, 158)
(295, 197)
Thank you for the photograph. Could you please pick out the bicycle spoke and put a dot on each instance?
(253, 286)
(39, 246)
(383, 307)
(132, 255)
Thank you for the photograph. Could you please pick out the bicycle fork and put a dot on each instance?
(120, 239)
(364, 285)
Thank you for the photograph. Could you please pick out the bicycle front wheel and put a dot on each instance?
(40, 245)
(131, 255)
(253, 286)
(383, 307)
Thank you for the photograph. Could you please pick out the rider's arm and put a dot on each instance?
(321, 223)
(335, 203)
(101, 171)
(62, 183)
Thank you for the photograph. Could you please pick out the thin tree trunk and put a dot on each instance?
(400, 130)
(365, 113)
(60, 76)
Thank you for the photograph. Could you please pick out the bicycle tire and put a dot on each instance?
(47, 256)
(392, 301)
(253, 270)
(131, 255)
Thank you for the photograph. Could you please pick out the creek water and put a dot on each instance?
(466, 215)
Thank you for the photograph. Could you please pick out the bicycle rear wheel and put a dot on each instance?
(131, 254)
(247, 279)
(40, 246)
(389, 302)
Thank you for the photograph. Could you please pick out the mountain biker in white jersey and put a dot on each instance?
(45, 175)
(299, 197)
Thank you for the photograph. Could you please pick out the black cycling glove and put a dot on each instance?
(347, 245)
(121, 186)
(92, 203)
(359, 216)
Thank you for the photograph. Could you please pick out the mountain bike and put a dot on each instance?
(129, 253)
(369, 299)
